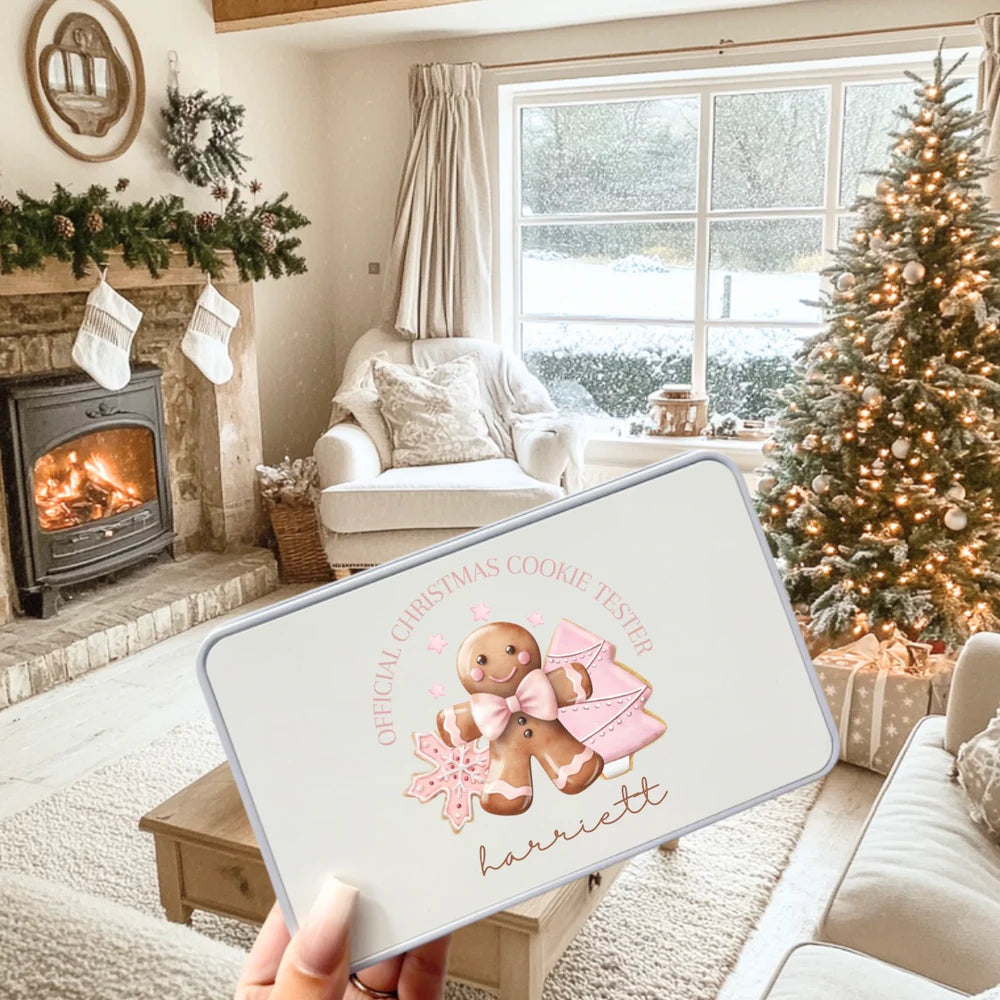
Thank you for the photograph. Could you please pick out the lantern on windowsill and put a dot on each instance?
(676, 411)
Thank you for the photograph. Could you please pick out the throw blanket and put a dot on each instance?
(513, 400)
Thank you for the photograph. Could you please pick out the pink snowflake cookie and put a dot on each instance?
(459, 774)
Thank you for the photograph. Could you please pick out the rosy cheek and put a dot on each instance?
(524, 657)
(476, 674)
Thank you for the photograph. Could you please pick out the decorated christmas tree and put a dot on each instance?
(880, 496)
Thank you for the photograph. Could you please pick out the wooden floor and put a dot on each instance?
(49, 741)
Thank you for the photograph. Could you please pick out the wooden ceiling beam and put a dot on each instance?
(240, 15)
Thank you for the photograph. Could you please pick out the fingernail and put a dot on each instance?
(326, 931)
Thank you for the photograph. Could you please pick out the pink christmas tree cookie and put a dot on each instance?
(459, 774)
(613, 720)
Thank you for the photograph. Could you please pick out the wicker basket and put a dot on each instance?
(300, 551)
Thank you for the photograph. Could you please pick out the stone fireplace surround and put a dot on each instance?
(213, 432)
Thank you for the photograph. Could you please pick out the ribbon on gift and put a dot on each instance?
(867, 653)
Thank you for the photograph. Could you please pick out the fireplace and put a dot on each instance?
(86, 476)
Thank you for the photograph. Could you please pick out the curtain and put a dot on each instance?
(989, 99)
(437, 281)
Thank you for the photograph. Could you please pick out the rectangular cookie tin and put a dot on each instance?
(482, 721)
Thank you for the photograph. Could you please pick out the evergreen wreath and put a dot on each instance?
(219, 159)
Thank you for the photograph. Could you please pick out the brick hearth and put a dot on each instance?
(213, 443)
(107, 622)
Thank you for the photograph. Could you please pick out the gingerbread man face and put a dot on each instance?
(495, 658)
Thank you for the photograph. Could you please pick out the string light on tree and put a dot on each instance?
(888, 446)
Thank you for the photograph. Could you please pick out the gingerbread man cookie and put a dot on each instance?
(515, 706)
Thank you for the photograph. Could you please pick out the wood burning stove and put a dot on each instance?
(85, 472)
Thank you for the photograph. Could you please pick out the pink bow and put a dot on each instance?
(534, 696)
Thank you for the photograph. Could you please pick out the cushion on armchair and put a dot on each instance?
(357, 397)
(459, 495)
(434, 416)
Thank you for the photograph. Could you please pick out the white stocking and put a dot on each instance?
(206, 341)
(104, 339)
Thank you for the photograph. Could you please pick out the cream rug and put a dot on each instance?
(672, 925)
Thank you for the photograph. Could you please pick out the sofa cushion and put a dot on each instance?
(822, 972)
(979, 775)
(922, 889)
(458, 495)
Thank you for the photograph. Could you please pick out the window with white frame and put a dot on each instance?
(676, 233)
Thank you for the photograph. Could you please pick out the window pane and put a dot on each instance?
(746, 366)
(869, 116)
(621, 156)
(770, 149)
(761, 269)
(613, 269)
(606, 370)
(846, 224)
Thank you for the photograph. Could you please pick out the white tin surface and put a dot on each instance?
(318, 701)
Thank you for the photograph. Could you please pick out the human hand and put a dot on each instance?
(315, 964)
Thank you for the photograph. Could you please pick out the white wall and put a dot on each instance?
(288, 135)
(29, 159)
(369, 114)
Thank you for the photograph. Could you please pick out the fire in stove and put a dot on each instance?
(77, 490)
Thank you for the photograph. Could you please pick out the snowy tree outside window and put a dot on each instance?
(679, 235)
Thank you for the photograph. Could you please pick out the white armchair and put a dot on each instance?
(370, 513)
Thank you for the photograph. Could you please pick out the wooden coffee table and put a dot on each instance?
(207, 859)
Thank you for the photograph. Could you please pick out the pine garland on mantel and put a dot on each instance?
(84, 228)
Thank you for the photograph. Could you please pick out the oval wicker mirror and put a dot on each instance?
(83, 78)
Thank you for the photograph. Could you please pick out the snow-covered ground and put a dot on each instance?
(644, 288)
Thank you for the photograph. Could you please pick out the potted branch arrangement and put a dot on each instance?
(290, 491)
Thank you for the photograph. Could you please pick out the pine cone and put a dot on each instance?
(123, 183)
(63, 226)
(207, 221)
(6, 206)
(268, 241)
(268, 220)
(220, 192)
(94, 222)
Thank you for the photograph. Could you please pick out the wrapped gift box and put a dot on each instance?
(878, 692)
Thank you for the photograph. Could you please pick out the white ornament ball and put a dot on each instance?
(810, 442)
(872, 395)
(901, 447)
(878, 244)
(878, 467)
(957, 492)
(766, 484)
(955, 519)
(914, 272)
(821, 484)
(846, 282)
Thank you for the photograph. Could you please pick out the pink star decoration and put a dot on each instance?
(536, 619)
(459, 774)
(437, 643)
(436, 691)
(480, 612)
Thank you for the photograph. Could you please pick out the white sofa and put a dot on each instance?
(921, 892)
(370, 514)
